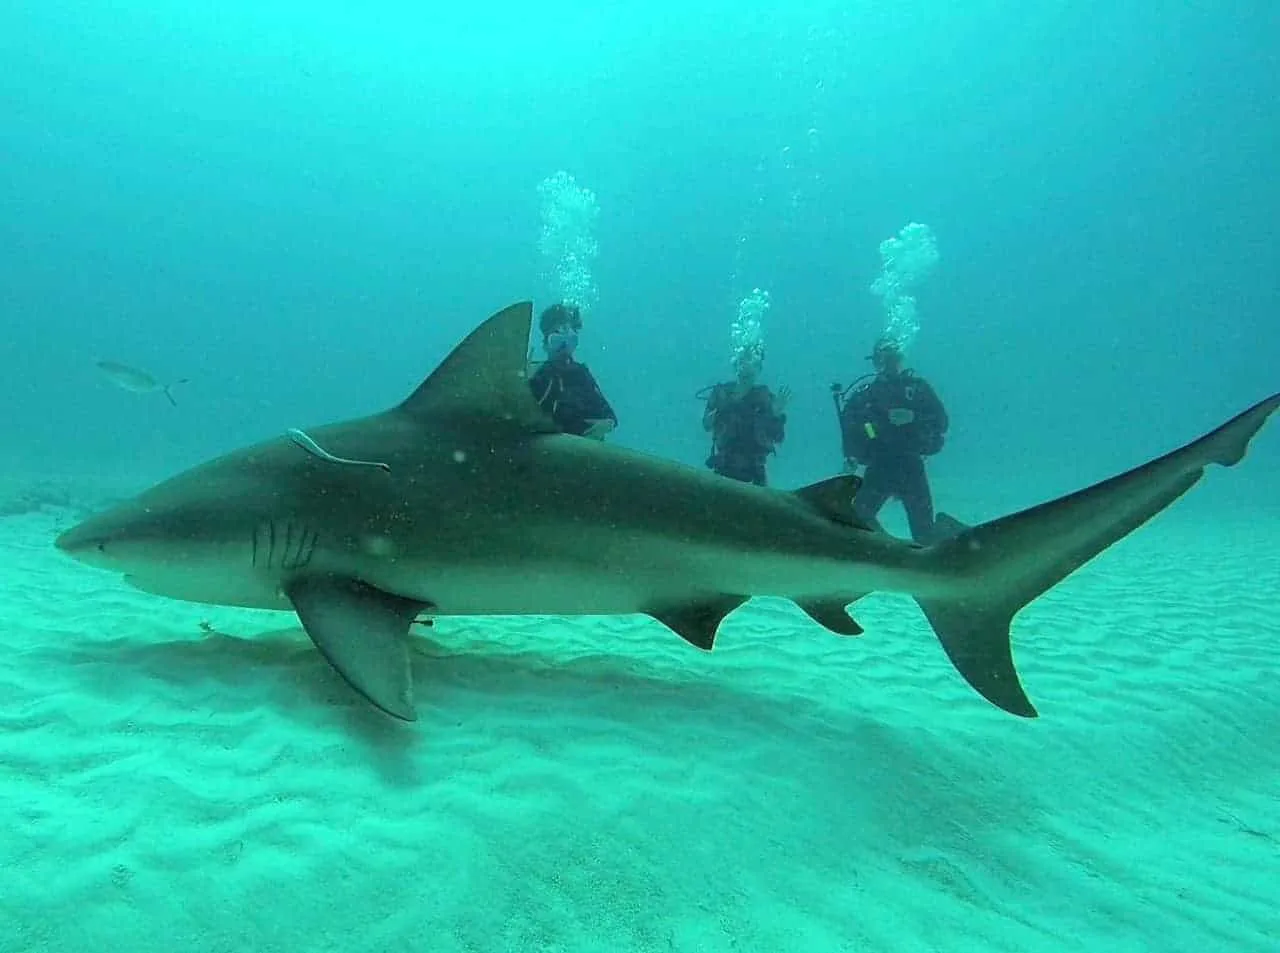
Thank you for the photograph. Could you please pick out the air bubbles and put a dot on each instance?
(567, 240)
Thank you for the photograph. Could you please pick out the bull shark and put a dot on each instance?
(465, 499)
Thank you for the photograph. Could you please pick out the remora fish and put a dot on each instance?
(464, 500)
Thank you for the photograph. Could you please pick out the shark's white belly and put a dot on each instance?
(643, 576)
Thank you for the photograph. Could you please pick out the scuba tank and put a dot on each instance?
(840, 395)
(840, 398)
(704, 395)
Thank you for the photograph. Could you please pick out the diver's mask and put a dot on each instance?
(747, 364)
(562, 343)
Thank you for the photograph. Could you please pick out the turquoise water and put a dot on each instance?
(299, 209)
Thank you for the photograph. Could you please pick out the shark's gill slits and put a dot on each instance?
(282, 545)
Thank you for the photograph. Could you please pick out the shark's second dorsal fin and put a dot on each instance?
(833, 498)
(486, 376)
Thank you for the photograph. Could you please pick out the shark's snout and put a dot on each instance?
(86, 543)
(74, 541)
(107, 539)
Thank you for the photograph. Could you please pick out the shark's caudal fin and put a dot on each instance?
(168, 390)
(486, 376)
(1012, 560)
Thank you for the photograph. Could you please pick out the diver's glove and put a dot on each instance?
(596, 429)
(930, 443)
(780, 401)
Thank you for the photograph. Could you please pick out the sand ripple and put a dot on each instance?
(600, 785)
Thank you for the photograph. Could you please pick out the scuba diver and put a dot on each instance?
(890, 421)
(563, 387)
(746, 421)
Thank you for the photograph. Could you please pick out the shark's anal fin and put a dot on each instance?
(832, 615)
(697, 624)
(363, 633)
(833, 498)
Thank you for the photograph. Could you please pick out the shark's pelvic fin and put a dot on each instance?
(363, 632)
(1008, 562)
(832, 615)
(486, 376)
(698, 624)
(833, 498)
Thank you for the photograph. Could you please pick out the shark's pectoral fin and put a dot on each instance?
(697, 624)
(833, 499)
(832, 615)
(362, 632)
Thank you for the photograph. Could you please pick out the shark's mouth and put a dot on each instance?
(150, 586)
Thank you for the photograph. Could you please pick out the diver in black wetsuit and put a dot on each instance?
(565, 388)
(890, 422)
(746, 421)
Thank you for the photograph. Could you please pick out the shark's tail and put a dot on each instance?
(1014, 559)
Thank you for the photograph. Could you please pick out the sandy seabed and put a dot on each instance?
(181, 777)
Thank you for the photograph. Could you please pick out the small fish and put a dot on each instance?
(136, 381)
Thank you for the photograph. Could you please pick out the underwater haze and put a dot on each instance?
(302, 207)
(284, 214)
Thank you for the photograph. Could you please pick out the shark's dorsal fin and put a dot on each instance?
(833, 498)
(486, 376)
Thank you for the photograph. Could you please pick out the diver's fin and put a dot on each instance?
(486, 376)
(698, 624)
(363, 633)
(833, 498)
(1012, 560)
(832, 615)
